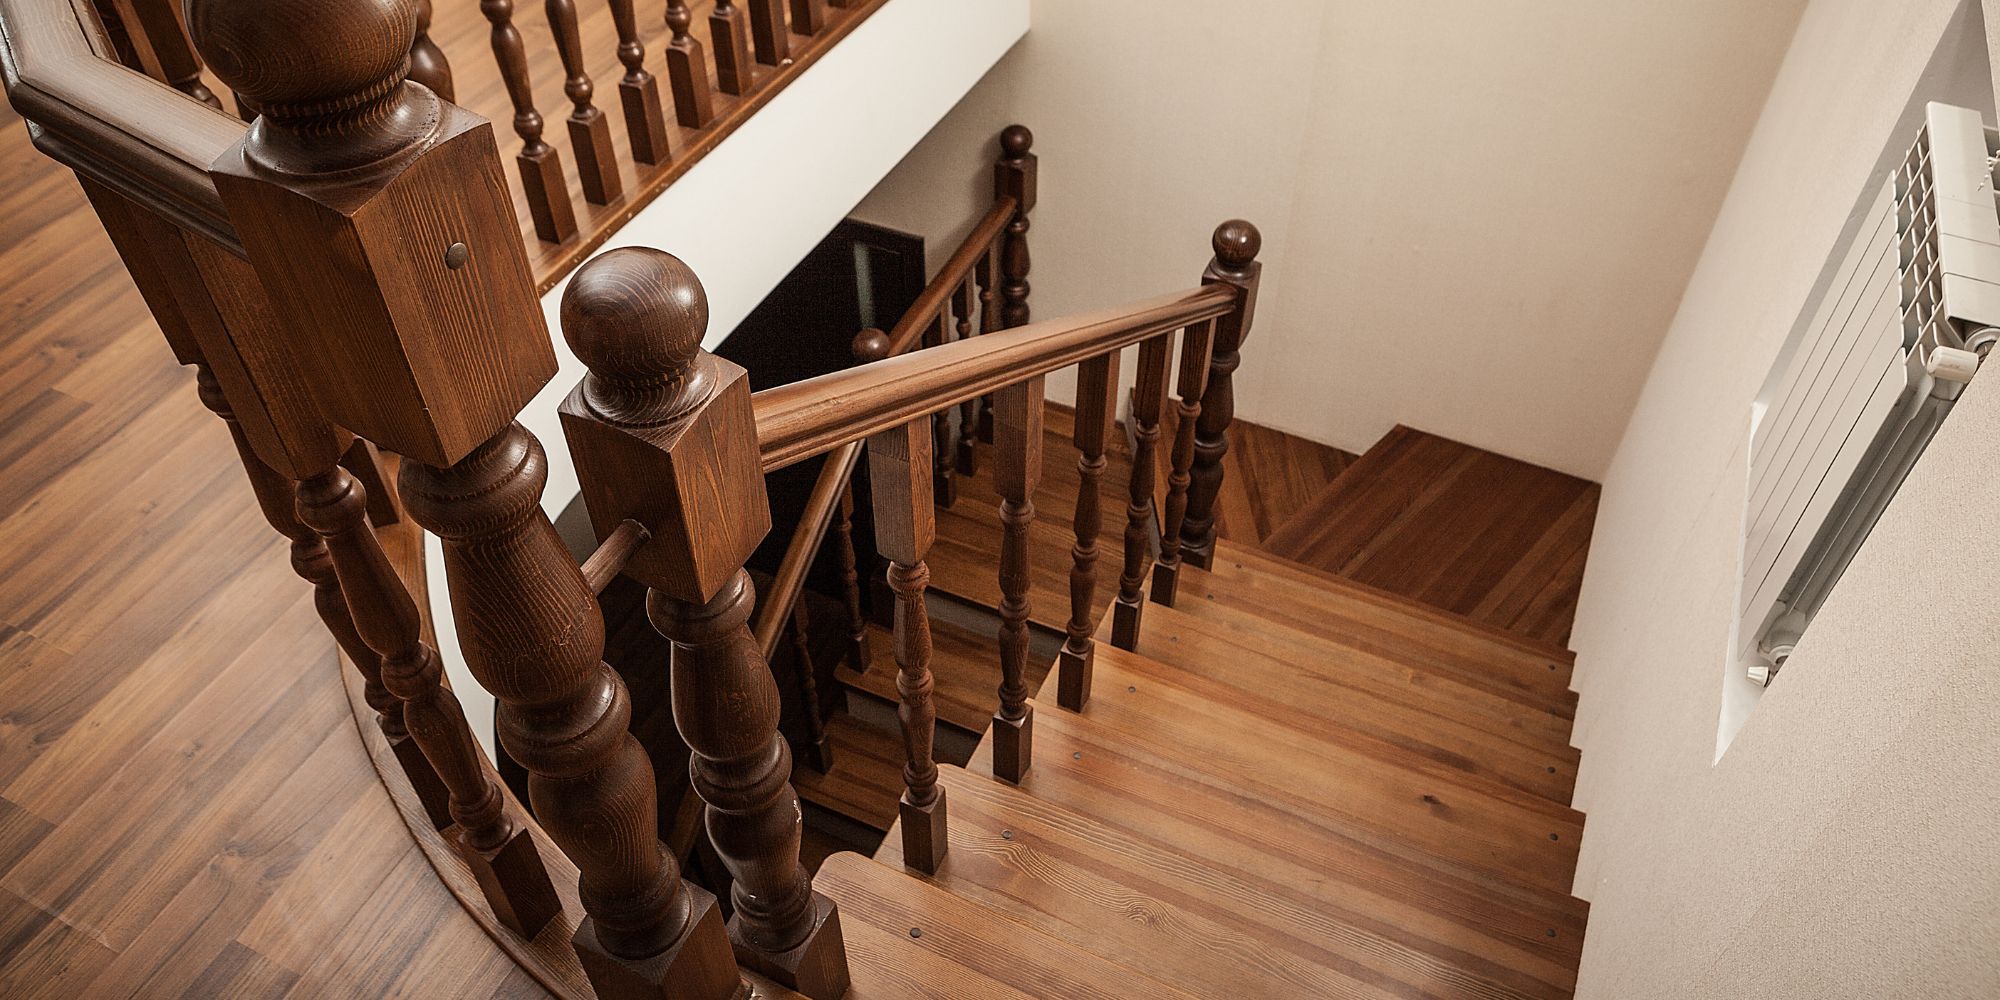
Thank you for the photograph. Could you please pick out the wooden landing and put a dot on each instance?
(1251, 807)
(1267, 476)
(1456, 527)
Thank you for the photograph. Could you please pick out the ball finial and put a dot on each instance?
(1016, 140)
(306, 59)
(870, 345)
(1236, 243)
(635, 315)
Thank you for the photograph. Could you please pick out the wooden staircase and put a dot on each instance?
(1295, 787)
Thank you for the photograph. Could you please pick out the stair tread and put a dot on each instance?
(1454, 526)
(1225, 896)
(866, 778)
(965, 666)
(1374, 697)
(964, 949)
(1393, 626)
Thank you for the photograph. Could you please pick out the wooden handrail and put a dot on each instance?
(776, 608)
(923, 311)
(148, 142)
(797, 421)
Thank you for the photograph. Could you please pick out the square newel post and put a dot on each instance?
(662, 434)
(1236, 245)
(377, 222)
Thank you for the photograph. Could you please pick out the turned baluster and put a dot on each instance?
(428, 64)
(687, 69)
(277, 498)
(1096, 413)
(850, 580)
(1236, 244)
(966, 459)
(1148, 396)
(589, 131)
(1017, 465)
(818, 753)
(153, 31)
(539, 163)
(987, 273)
(1193, 379)
(1015, 175)
(808, 16)
(638, 91)
(899, 474)
(767, 29)
(731, 32)
(662, 433)
(496, 845)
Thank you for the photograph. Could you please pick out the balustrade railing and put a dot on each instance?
(365, 225)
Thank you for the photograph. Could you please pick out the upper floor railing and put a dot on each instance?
(117, 89)
(349, 268)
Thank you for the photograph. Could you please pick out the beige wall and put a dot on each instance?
(1478, 215)
(1845, 845)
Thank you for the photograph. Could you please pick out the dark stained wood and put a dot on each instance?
(195, 814)
(964, 671)
(1148, 398)
(420, 357)
(662, 434)
(638, 90)
(1195, 344)
(899, 475)
(965, 458)
(1456, 527)
(1095, 414)
(1235, 267)
(866, 779)
(850, 580)
(545, 194)
(768, 31)
(687, 69)
(1014, 176)
(808, 16)
(817, 751)
(825, 500)
(589, 130)
(1017, 465)
(496, 845)
(162, 48)
(976, 251)
(428, 64)
(730, 30)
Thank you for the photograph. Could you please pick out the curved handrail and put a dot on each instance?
(803, 419)
(144, 140)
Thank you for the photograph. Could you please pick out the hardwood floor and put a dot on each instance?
(186, 807)
(1267, 476)
(1462, 529)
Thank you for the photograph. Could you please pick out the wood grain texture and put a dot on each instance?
(186, 804)
(1267, 476)
(1474, 533)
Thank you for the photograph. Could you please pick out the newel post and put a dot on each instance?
(1015, 174)
(1236, 244)
(662, 433)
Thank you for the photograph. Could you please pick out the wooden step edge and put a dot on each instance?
(908, 937)
(1273, 562)
(866, 778)
(1537, 683)
(1469, 729)
(879, 680)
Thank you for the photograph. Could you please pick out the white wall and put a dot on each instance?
(1478, 215)
(1844, 846)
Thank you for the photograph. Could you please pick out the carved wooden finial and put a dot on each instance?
(1015, 141)
(1237, 243)
(661, 430)
(635, 317)
(376, 216)
(317, 70)
(870, 344)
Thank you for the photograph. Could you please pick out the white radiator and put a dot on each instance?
(1910, 311)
